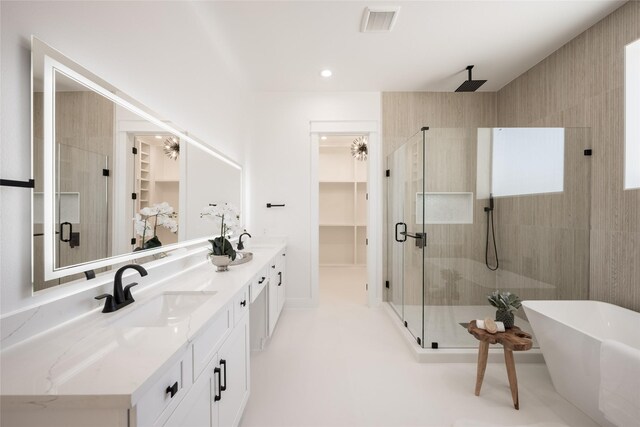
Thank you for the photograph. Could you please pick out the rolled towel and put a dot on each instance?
(480, 325)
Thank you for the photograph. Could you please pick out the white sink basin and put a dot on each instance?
(167, 309)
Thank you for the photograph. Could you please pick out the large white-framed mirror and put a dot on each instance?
(113, 181)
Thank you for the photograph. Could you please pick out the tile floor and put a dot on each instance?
(344, 364)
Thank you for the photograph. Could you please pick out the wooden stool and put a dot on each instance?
(513, 339)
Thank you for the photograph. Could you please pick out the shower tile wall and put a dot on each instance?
(451, 276)
(543, 240)
(404, 113)
(582, 84)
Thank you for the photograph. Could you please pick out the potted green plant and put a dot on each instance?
(226, 218)
(506, 303)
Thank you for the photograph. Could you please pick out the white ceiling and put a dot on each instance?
(283, 45)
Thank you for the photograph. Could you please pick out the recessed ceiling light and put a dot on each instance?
(326, 73)
(158, 137)
(324, 138)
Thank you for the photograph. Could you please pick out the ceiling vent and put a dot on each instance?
(379, 19)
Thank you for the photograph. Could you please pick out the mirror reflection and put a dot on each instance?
(118, 176)
(84, 123)
(157, 186)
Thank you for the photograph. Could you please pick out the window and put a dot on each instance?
(527, 161)
(632, 116)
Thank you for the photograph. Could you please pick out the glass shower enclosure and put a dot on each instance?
(474, 210)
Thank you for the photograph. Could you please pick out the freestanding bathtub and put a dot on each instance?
(570, 334)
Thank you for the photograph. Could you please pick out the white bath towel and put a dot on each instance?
(480, 324)
(620, 383)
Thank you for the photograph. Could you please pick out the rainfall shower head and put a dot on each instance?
(470, 85)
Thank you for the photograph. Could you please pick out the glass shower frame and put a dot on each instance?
(437, 288)
(406, 244)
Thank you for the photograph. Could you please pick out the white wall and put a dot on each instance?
(278, 164)
(160, 53)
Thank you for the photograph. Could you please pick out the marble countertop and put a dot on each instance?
(91, 359)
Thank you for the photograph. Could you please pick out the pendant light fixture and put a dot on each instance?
(359, 149)
(171, 147)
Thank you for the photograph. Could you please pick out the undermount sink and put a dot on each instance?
(241, 258)
(167, 309)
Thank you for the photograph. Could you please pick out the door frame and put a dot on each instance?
(374, 207)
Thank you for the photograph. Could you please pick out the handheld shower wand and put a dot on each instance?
(489, 211)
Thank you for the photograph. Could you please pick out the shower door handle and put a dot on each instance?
(403, 233)
(421, 239)
(68, 239)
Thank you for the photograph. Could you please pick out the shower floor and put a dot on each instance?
(446, 325)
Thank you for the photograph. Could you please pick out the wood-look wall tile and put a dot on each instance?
(582, 84)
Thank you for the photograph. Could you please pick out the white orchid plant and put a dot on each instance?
(226, 218)
(147, 222)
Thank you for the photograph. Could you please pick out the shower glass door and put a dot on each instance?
(82, 207)
(406, 231)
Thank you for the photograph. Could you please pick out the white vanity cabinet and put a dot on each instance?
(162, 398)
(218, 364)
(192, 373)
(219, 395)
(277, 289)
(233, 360)
(268, 293)
(280, 267)
(197, 408)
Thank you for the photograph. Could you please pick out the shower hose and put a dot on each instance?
(493, 235)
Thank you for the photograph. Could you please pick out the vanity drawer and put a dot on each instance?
(207, 343)
(258, 283)
(165, 394)
(240, 305)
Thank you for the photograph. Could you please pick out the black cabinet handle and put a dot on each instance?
(273, 266)
(280, 275)
(173, 389)
(218, 395)
(223, 362)
(243, 302)
(261, 280)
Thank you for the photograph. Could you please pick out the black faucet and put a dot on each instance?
(240, 244)
(121, 297)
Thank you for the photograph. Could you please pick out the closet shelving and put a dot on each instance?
(144, 175)
(158, 179)
(343, 204)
